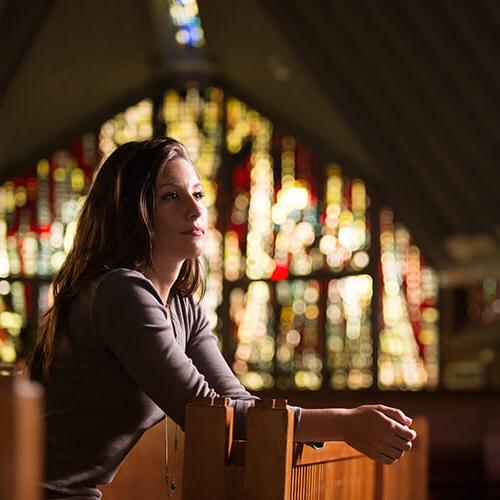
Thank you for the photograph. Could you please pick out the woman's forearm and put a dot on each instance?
(322, 424)
(380, 432)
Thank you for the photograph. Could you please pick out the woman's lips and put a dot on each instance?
(194, 232)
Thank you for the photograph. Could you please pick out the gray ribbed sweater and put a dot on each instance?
(118, 370)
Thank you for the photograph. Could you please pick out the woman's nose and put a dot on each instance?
(195, 208)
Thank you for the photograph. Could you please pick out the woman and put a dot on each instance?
(125, 342)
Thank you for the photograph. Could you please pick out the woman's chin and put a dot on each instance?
(195, 252)
(182, 252)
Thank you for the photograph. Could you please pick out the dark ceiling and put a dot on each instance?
(404, 94)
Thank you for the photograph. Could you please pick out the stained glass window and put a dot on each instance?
(284, 225)
(240, 127)
(37, 226)
(134, 124)
(289, 249)
(184, 16)
(299, 343)
(295, 213)
(408, 350)
(252, 320)
(14, 301)
(349, 332)
(345, 235)
(249, 237)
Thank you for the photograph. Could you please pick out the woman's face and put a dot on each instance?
(180, 213)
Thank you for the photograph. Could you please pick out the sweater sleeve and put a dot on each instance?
(203, 350)
(132, 323)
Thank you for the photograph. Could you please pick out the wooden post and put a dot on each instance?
(268, 458)
(208, 440)
(407, 479)
(21, 439)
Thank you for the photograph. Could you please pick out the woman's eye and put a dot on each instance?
(199, 195)
(170, 196)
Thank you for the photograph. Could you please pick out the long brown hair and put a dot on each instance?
(114, 229)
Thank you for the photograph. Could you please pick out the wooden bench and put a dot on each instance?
(215, 463)
(21, 435)
(270, 466)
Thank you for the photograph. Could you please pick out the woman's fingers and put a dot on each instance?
(405, 433)
(392, 452)
(401, 430)
(378, 431)
(389, 457)
(400, 442)
(401, 446)
(386, 460)
(395, 414)
(404, 445)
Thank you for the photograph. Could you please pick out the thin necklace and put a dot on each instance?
(171, 484)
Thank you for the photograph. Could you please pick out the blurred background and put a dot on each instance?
(349, 155)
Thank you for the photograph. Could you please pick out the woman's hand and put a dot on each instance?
(380, 432)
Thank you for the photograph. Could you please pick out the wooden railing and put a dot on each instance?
(269, 465)
(21, 435)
